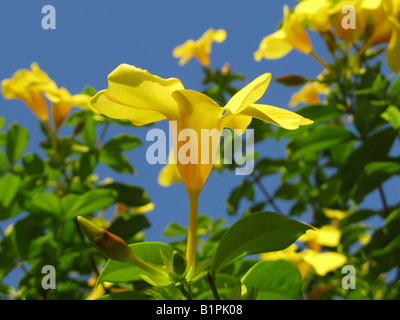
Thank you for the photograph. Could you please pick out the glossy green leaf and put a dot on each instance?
(274, 280)
(9, 186)
(115, 271)
(321, 138)
(17, 140)
(79, 205)
(392, 115)
(256, 233)
(88, 132)
(45, 203)
(131, 195)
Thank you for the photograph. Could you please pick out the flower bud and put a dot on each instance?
(109, 244)
(291, 80)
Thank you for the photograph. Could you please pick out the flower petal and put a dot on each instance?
(102, 104)
(249, 94)
(277, 116)
(273, 46)
(132, 87)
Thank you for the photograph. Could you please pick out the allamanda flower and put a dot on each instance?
(62, 102)
(143, 98)
(28, 86)
(200, 49)
(291, 35)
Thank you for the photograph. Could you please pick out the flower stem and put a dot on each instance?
(192, 229)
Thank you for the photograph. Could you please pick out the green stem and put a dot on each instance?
(192, 229)
(211, 283)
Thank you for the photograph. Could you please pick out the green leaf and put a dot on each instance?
(88, 132)
(126, 226)
(17, 140)
(32, 163)
(9, 186)
(115, 271)
(87, 164)
(245, 189)
(256, 233)
(321, 138)
(122, 142)
(79, 205)
(131, 195)
(274, 280)
(45, 203)
(392, 115)
(3, 162)
(374, 148)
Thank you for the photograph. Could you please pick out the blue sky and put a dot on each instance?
(93, 37)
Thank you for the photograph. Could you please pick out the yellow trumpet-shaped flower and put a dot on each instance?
(143, 98)
(29, 85)
(291, 35)
(315, 13)
(309, 93)
(63, 101)
(200, 49)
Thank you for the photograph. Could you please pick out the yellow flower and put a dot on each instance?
(200, 49)
(29, 85)
(315, 13)
(324, 262)
(379, 20)
(309, 94)
(63, 101)
(169, 174)
(143, 98)
(291, 35)
(320, 262)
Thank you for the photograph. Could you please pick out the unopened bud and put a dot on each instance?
(109, 244)
(291, 80)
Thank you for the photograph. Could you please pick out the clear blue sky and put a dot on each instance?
(93, 37)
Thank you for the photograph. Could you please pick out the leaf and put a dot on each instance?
(17, 140)
(9, 186)
(45, 203)
(245, 189)
(274, 280)
(122, 142)
(79, 205)
(115, 271)
(374, 148)
(33, 164)
(87, 164)
(321, 138)
(126, 226)
(131, 195)
(392, 115)
(256, 233)
(88, 132)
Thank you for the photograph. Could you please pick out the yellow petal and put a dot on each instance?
(273, 46)
(325, 262)
(277, 116)
(135, 94)
(169, 174)
(308, 94)
(248, 95)
(115, 110)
